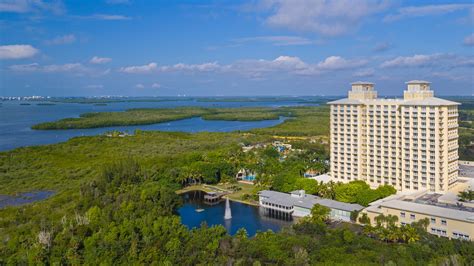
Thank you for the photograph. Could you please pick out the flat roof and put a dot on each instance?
(429, 101)
(334, 204)
(286, 199)
(417, 82)
(362, 83)
(426, 209)
(466, 170)
(325, 178)
(308, 201)
(346, 101)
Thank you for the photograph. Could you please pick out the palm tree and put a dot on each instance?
(380, 220)
(319, 213)
(422, 224)
(364, 219)
(394, 234)
(183, 176)
(327, 190)
(410, 234)
(369, 230)
(391, 220)
(383, 234)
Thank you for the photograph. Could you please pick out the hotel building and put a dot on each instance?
(409, 143)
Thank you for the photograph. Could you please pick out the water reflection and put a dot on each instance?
(24, 198)
(195, 211)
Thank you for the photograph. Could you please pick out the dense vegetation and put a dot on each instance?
(308, 122)
(115, 203)
(152, 116)
(126, 215)
(467, 195)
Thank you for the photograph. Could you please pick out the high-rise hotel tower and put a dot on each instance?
(409, 143)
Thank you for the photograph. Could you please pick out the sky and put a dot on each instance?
(233, 48)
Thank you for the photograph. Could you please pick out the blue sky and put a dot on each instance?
(267, 47)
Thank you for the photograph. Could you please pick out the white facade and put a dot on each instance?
(299, 204)
(409, 143)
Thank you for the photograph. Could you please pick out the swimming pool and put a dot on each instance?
(249, 178)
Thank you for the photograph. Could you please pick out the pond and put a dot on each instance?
(243, 216)
(24, 198)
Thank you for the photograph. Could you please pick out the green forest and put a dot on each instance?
(152, 115)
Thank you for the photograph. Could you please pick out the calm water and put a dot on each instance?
(16, 120)
(243, 216)
(24, 198)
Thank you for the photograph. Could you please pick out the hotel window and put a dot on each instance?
(433, 220)
(412, 216)
(443, 222)
(402, 214)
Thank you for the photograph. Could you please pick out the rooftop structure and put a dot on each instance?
(466, 169)
(446, 220)
(324, 178)
(299, 204)
(409, 143)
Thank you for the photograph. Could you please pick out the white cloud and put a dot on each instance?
(363, 73)
(286, 66)
(411, 61)
(75, 68)
(105, 17)
(434, 61)
(151, 67)
(469, 40)
(256, 68)
(328, 18)
(35, 67)
(26, 6)
(277, 40)
(59, 40)
(94, 86)
(451, 76)
(463, 62)
(292, 65)
(339, 63)
(428, 10)
(25, 68)
(105, 72)
(17, 51)
(139, 86)
(72, 67)
(100, 60)
(205, 67)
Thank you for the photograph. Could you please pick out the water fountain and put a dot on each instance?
(228, 214)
